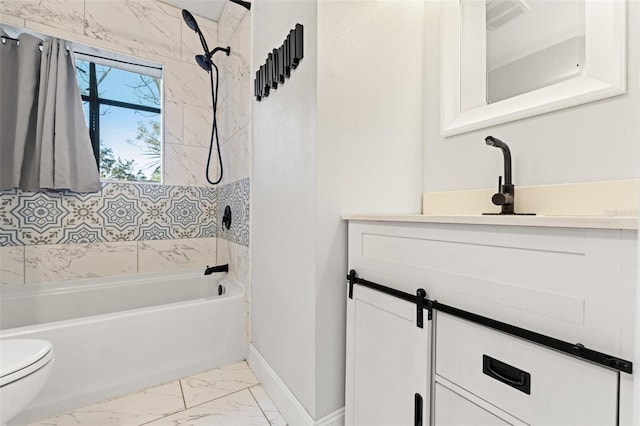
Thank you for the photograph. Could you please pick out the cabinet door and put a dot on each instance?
(388, 361)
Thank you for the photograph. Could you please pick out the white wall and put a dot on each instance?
(283, 203)
(368, 151)
(341, 135)
(592, 142)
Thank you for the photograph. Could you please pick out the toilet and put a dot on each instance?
(25, 367)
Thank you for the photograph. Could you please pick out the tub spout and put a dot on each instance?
(219, 268)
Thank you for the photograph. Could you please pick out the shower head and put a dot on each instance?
(190, 20)
(244, 4)
(205, 60)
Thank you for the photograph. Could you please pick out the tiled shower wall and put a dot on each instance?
(234, 114)
(127, 228)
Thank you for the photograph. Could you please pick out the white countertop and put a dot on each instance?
(594, 222)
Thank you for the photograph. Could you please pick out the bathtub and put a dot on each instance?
(116, 335)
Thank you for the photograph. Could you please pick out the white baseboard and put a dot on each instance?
(332, 419)
(288, 405)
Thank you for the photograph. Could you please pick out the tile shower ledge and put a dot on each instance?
(593, 222)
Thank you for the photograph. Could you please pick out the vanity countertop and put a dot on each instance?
(593, 222)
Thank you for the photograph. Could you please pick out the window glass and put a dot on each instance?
(129, 144)
(125, 86)
(124, 116)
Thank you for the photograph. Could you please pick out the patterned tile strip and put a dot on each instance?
(120, 212)
(236, 195)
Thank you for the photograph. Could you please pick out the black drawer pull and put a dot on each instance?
(507, 374)
(417, 411)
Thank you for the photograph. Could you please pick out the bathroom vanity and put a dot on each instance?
(568, 279)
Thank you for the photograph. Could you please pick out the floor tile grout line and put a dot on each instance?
(184, 404)
(211, 400)
(184, 400)
(247, 387)
(159, 418)
(259, 406)
(222, 396)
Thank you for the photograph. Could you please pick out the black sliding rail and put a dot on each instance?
(574, 349)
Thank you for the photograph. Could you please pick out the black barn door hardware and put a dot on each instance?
(417, 410)
(574, 349)
(419, 298)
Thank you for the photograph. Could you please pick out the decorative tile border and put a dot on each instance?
(236, 195)
(8, 223)
(120, 212)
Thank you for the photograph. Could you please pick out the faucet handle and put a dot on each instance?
(502, 199)
(504, 196)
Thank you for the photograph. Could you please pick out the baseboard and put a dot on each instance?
(288, 405)
(332, 419)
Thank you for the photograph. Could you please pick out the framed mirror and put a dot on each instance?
(503, 60)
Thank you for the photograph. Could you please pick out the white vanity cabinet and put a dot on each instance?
(572, 280)
(388, 371)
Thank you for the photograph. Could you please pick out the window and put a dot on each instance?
(123, 111)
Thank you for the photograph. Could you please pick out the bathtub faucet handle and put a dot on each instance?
(219, 268)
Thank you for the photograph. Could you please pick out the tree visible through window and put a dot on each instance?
(123, 113)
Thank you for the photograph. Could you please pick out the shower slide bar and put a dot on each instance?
(422, 302)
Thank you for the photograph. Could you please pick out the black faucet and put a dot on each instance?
(505, 197)
(219, 268)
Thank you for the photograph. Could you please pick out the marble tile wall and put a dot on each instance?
(234, 30)
(128, 228)
(63, 262)
(234, 117)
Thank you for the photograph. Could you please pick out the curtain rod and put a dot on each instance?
(95, 56)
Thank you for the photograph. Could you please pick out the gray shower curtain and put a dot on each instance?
(44, 140)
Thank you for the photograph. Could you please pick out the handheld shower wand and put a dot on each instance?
(207, 64)
(203, 60)
(191, 22)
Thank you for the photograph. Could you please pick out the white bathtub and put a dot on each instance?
(116, 335)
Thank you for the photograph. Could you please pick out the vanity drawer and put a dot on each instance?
(453, 409)
(528, 381)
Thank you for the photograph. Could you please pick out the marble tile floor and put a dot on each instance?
(230, 395)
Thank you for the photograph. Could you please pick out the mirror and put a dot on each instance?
(509, 59)
(532, 44)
